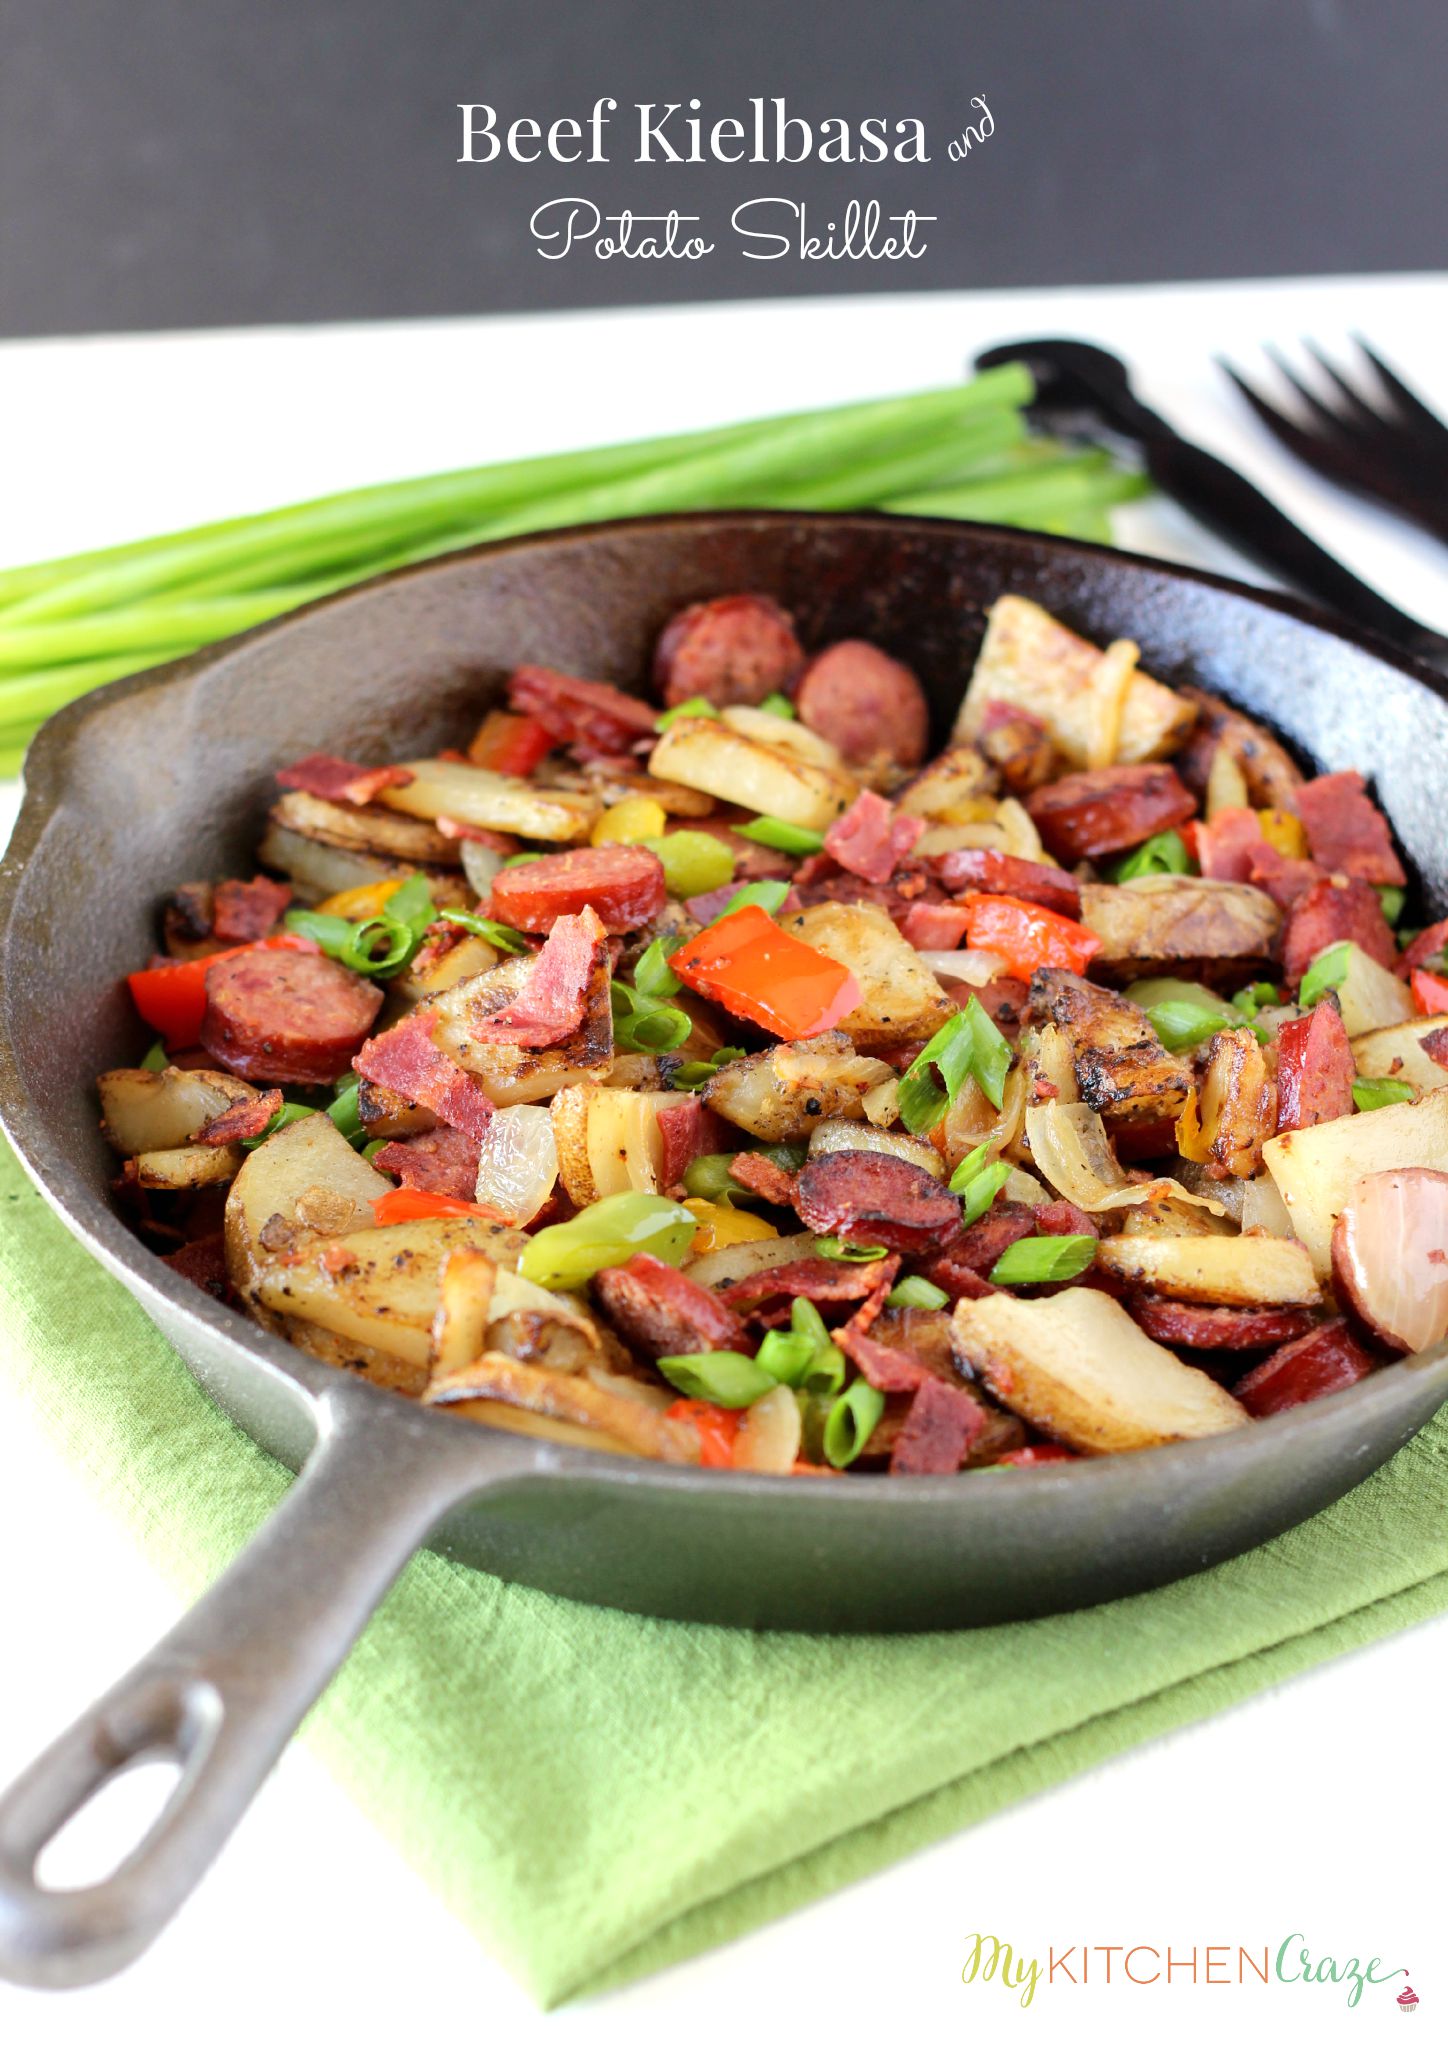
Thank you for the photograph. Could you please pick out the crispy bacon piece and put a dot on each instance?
(1286, 879)
(1062, 1217)
(822, 1279)
(1230, 845)
(885, 1365)
(871, 839)
(246, 912)
(1345, 831)
(1434, 1046)
(623, 883)
(489, 838)
(1005, 999)
(1429, 943)
(1315, 1069)
(1045, 885)
(443, 1160)
(935, 1440)
(240, 1122)
(1328, 1359)
(927, 925)
(1017, 743)
(867, 1197)
(338, 780)
(660, 1312)
(869, 706)
(1093, 813)
(550, 1004)
(580, 710)
(1180, 1326)
(963, 1268)
(687, 1129)
(1329, 913)
(762, 1175)
(408, 1062)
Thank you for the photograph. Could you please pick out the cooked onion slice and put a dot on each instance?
(518, 1162)
(1390, 1256)
(970, 966)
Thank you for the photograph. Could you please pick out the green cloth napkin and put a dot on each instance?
(599, 1795)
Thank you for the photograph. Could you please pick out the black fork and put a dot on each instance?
(1374, 436)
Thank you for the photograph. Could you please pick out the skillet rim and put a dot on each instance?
(105, 1235)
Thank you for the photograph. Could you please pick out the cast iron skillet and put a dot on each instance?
(167, 776)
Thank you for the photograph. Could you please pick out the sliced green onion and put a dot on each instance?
(1044, 1260)
(693, 860)
(969, 1045)
(1370, 1093)
(699, 1070)
(686, 709)
(652, 976)
(523, 857)
(918, 1292)
(378, 948)
(1393, 897)
(509, 940)
(1252, 998)
(1159, 856)
(641, 1023)
(785, 1355)
(781, 835)
(837, 1252)
(285, 1114)
(343, 1113)
(850, 1423)
(155, 1058)
(610, 1231)
(769, 893)
(806, 1319)
(372, 1149)
(709, 1177)
(969, 1167)
(777, 703)
(722, 1376)
(980, 1192)
(1181, 1024)
(411, 904)
(1325, 973)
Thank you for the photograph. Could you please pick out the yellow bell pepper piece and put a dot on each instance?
(360, 902)
(1283, 831)
(720, 1227)
(629, 821)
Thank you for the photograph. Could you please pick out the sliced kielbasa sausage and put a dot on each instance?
(872, 709)
(1093, 813)
(1218, 1327)
(623, 883)
(866, 1197)
(660, 1312)
(279, 1017)
(733, 652)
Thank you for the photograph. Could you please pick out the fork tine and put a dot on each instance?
(1331, 456)
(1318, 409)
(1407, 400)
(1363, 413)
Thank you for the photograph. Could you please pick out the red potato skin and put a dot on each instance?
(623, 883)
(1331, 912)
(871, 708)
(1329, 1359)
(1095, 813)
(284, 1017)
(1315, 1069)
(733, 652)
(1415, 1230)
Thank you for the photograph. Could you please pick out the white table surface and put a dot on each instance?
(1317, 1807)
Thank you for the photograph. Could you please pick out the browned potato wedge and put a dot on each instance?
(608, 1139)
(1078, 1368)
(510, 1074)
(1119, 1064)
(1236, 1109)
(469, 958)
(628, 1424)
(183, 1170)
(836, 1135)
(951, 788)
(1398, 1052)
(160, 1110)
(762, 776)
(783, 1093)
(899, 999)
(303, 1181)
(460, 1325)
(1370, 997)
(1031, 660)
(1189, 927)
(375, 831)
(1217, 1270)
(487, 799)
(1315, 1169)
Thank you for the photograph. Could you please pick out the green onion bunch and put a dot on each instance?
(962, 451)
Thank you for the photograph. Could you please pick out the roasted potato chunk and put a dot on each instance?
(1078, 1368)
(1236, 1107)
(1215, 1270)
(510, 1074)
(900, 1001)
(1192, 927)
(717, 758)
(783, 1094)
(145, 1110)
(1120, 1066)
(1316, 1169)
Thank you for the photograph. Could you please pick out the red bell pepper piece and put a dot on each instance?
(717, 1428)
(1037, 1452)
(514, 744)
(171, 998)
(1430, 992)
(411, 1203)
(747, 963)
(1025, 937)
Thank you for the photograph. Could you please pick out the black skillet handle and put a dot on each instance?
(224, 1691)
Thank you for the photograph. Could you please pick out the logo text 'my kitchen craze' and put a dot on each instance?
(989, 1960)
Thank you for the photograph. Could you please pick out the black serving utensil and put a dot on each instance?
(1082, 389)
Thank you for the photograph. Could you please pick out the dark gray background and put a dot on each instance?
(185, 162)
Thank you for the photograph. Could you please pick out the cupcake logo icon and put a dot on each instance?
(1407, 1999)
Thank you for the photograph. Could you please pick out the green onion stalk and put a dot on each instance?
(76, 622)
